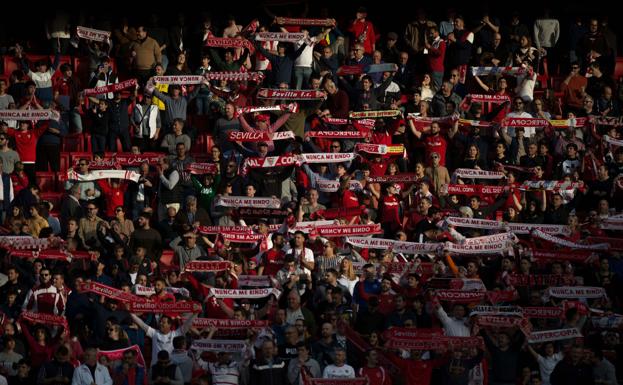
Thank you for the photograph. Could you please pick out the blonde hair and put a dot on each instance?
(348, 271)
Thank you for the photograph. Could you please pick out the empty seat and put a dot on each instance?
(73, 143)
(46, 181)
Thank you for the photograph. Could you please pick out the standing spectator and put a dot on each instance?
(269, 369)
(363, 31)
(145, 53)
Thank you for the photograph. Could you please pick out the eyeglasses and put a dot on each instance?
(92, 208)
(45, 275)
(119, 210)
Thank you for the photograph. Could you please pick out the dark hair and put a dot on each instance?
(178, 342)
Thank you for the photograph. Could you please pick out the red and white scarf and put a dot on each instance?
(103, 174)
(110, 88)
(229, 323)
(236, 76)
(290, 37)
(576, 292)
(474, 189)
(21, 242)
(127, 159)
(374, 114)
(329, 186)
(325, 134)
(429, 120)
(615, 142)
(565, 243)
(398, 178)
(379, 149)
(547, 256)
(29, 115)
(502, 321)
(517, 228)
(202, 168)
(242, 237)
(395, 246)
(240, 293)
(268, 93)
(497, 310)
(478, 248)
(567, 123)
(551, 185)
(542, 312)
(509, 71)
(477, 174)
(367, 123)
(229, 346)
(117, 355)
(327, 157)
(305, 21)
(343, 231)
(207, 266)
(292, 107)
(179, 79)
(553, 335)
(271, 161)
(254, 280)
(93, 34)
(147, 291)
(525, 122)
(45, 318)
(165, 307)
(241, 201)
(258, 136)
(227, 42)
(50, 254)
(486, 98)
(109, 292)
(474, 123)
(435, 342)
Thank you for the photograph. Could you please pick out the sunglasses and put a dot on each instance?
(45, 275)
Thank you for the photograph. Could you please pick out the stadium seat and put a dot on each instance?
(65, 161)
(46, 181)
(55, 198)
(618, 68)
(167, 261)
(73, 143)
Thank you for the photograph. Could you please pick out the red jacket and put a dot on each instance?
(436, 56)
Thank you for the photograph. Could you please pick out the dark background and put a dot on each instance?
(27, 24)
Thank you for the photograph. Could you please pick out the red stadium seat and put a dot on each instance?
(73, 143)
(53, 197)
(167, 261)
(46, 181)
(618, 68)
(65, 161)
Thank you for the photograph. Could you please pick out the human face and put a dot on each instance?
(45, 275)
(91, 211)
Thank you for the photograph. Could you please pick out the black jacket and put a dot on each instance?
(264, 374)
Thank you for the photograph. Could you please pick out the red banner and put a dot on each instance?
(242, 237)
(542, 312)
(475, 189)
(379, 149)
(271, 161)
(335, 213)
(525, 122)
(374, 114)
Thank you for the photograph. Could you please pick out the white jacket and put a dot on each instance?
(82, 376)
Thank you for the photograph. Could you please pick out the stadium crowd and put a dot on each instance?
(311, 200)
